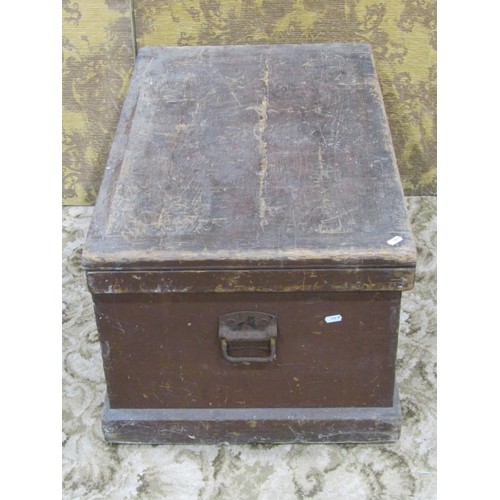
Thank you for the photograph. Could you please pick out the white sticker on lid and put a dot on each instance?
(395, 240)
(333, 319)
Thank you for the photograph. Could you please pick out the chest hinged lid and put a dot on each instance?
(240, 168)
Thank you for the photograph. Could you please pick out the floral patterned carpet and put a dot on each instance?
(93, 469)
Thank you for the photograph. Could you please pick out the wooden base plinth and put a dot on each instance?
(252, 425)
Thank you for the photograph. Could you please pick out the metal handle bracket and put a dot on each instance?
(248, 331)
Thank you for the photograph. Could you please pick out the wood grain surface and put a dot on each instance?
(163, 350)
(251, 156)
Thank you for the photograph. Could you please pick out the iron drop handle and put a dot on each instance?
(248, 330)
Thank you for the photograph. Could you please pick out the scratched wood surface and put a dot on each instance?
(251, 156)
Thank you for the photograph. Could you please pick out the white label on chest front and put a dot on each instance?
(333, 319)
(395, 240)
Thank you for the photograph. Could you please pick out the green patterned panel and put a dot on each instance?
(402, 33)
(98, 56)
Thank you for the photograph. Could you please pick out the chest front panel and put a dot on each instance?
(332, 349)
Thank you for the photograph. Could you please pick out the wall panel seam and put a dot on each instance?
(134, 31)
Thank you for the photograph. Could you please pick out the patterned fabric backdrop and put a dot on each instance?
(100, 39)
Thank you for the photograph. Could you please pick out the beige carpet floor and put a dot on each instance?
(93, 469)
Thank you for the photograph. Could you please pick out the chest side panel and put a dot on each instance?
(332, 350)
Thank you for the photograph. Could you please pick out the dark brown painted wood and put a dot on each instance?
(225, 281)
(250, 157)
(254, 425)
(244, 180)
(163, 350)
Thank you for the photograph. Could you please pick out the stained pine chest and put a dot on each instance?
(248, 249)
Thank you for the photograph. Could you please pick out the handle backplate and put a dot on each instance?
(248, 332)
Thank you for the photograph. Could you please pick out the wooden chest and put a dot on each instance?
(248, 249)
